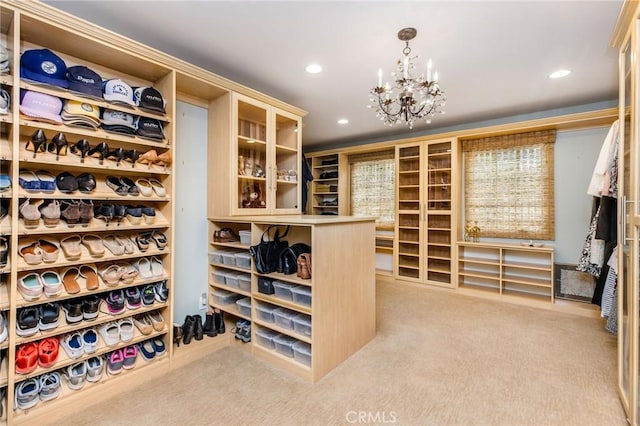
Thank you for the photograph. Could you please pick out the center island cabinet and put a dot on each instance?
(307, 326)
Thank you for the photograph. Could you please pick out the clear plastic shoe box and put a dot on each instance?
(302, 353)
(284, 345)
(283, 290)
(302, 295)
(243, 260)
(284, 317)
(302, 324)
(244, 306)
(264, 337)
(224, 297)
(244, 282)
(265, 312)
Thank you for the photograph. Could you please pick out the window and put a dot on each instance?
(372, 186)
(508, 190)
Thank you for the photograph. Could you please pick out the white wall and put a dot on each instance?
(576, 153)
(190, 200)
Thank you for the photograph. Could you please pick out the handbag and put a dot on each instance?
(265, 286)
(266, 254)
(304, 266)
(288, 262)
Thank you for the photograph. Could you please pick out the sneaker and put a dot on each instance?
(110, 333)
(73, 311)
(27, 321)
(95, 367)
(115, 361)
(158, 346)
(126, 329)
(115, 302)
(49, 386)
(49, 316)
(3, 328)
(147, 350)
(90, 340)
(73, 345)
(148, 295)
(130, 354)
(27, 393)
(133, 298)
(76, 374)
(161, 290)
(90, 307)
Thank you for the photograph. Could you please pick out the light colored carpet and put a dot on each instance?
(439, 358)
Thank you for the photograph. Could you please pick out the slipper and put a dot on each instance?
(144, 187)
(157, 187)
(48, 352)
(111, 275)
(114, 245)
(128, 272)
(144, 267)
(70, 280)
(116, 185)
(90, 274)
(47, 181)
(86, 183)
(30, 286)
(31, 253)
(110, 333)
(50, 250)
(29, 181)
(156, 267)
(26, 358)
(94, 244)
(126, 329)
(67, 183)
(71, 247)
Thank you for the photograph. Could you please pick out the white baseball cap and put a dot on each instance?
(117, 91)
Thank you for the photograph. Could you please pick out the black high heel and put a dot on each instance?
(58, 145)
(104, 212)
(37, 142)
(81, 148)
(132, 155)
(102, 149)
(116, 155)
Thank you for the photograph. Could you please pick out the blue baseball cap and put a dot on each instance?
(44, 66)
(84, 80)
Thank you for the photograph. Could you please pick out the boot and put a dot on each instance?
(218, 321)
(177, 334)
(198, 332)
(209, 325)
(188, 329)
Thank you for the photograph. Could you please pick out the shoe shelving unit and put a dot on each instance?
(506, 269)
(342, 288)
(425, 216)
(329, 180)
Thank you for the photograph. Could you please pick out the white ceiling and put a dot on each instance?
(493, 57)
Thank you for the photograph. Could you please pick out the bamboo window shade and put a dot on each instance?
(509, 185)
(372, 186)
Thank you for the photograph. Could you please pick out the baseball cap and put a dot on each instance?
(84, 80)
(4, 59)
(5, 102)
(118, 122)
(117, 91)
(43, 66)
(149, 99)
(40, 106)
(149, 128)
(75, 113)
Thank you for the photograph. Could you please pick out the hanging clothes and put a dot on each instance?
(604, 162)
(307, 177)
(585, 264)
(608, 293)
(612, 321)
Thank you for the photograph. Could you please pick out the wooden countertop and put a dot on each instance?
(295, 219)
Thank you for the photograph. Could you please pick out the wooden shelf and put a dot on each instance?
(229, 288)
(279, 329)
(96, 225)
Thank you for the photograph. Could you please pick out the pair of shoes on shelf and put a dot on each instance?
(73, 211)
(32, 319)
(214, 323)
(135, 214)
(42, 388)
(147, 187)
(149, 321)
(85, 308)
(116, 331)
(33, 354)
(151, 157)
(36, 252)
(122, 185)
(225, 235)
(122, 358)
(144, 240)
(79, 343)
(68, 183)
(39, 181)
(37, 142)
(113, 274)
(149, 268)
(109, 212)
(90, 370)
(4, 251)
(242, 330)
(71, 278)
(152, 348)
(33, 285)
(118, 244)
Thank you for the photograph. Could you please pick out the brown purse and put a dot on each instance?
(304, 266)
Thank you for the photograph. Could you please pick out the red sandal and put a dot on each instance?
(26, 358)
(48, 352)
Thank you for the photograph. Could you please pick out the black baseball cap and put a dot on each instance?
(84, 80)
(149, 128)
(149, 98)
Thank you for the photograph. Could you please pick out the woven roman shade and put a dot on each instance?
(372, 186)
(509, 185)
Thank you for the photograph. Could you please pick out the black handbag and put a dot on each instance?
(266, 254)
(265, 286)
(288, 263)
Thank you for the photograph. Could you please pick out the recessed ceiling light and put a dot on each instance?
(313, 68)
(343, 121)
(559, 74)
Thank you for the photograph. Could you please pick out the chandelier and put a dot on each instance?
(410, 98)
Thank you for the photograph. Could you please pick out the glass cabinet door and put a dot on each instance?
(251, 145)
(285, 173)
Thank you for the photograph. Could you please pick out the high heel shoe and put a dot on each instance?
(86, 212)
(177, 334)
(30, 213)
(116, 155)
(81, 148)
(148, 157)
(104, 212)
(163, 159)
(102, 149)
(132, 156)
(119, 212)
(58, 145)
(37, 142)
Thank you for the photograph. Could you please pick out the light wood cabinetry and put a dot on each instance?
(425, 219)
(506, 269)
(329, 180)
(337, 303)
